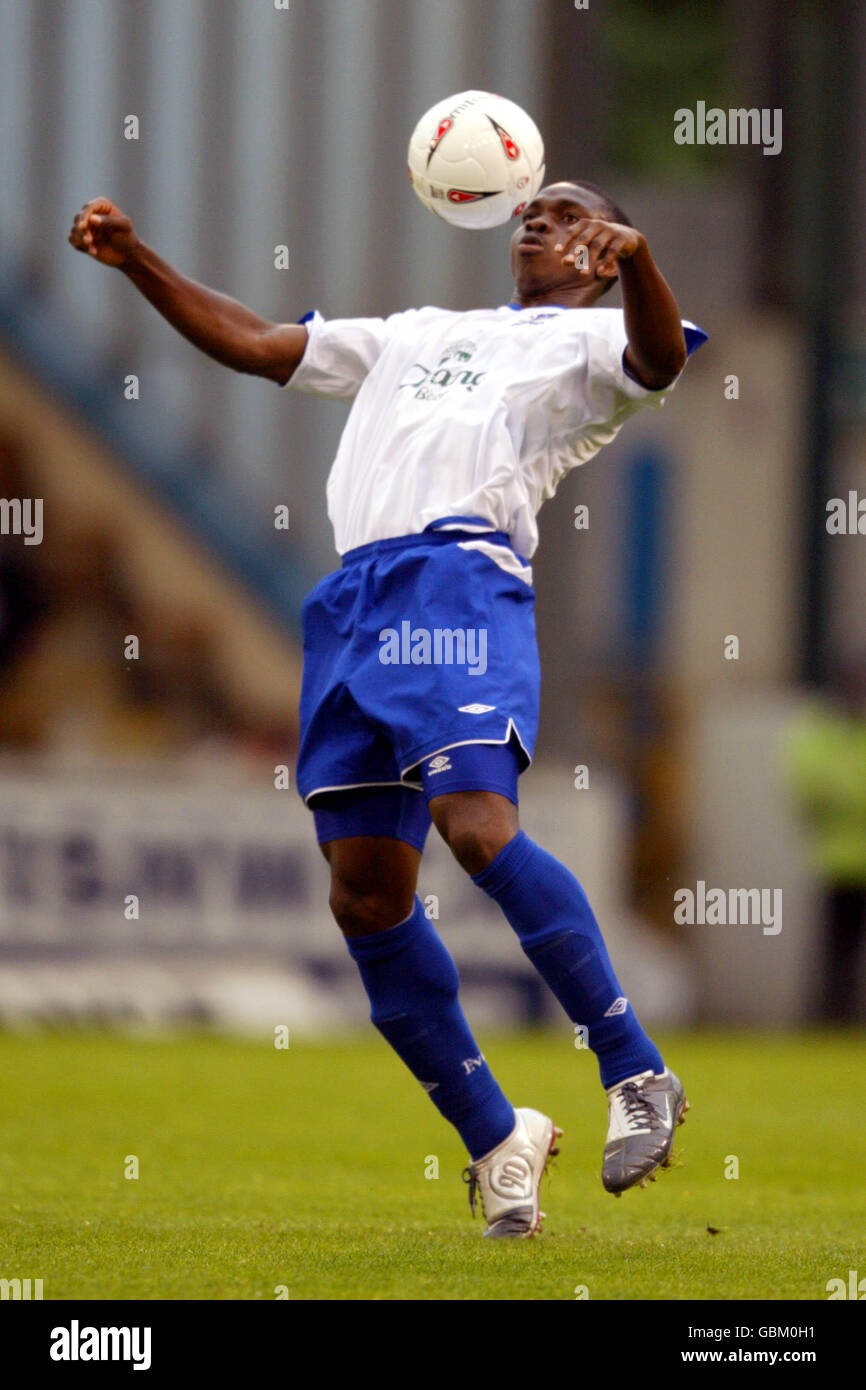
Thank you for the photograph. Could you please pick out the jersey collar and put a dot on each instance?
(534, 307)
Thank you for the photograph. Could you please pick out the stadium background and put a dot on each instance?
(155, 775)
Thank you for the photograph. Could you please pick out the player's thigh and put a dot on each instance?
(475, 825)
(471, 792)
(373, 838)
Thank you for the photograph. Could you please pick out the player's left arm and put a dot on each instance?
(656, 351)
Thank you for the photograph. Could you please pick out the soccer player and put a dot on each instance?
(421, 681)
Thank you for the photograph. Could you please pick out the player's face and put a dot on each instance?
(544, 223)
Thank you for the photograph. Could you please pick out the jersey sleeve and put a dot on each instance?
(587, 392)
(339, 354)
(606, 381)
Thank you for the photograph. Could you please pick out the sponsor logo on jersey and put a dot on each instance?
(430, 384)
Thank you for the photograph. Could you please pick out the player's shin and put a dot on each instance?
(551, 915)
(412, 984)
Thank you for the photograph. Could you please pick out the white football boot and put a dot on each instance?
(508, 1177)
(644, 1111)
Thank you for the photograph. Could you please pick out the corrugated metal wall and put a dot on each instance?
(262, 126)
(258, 126)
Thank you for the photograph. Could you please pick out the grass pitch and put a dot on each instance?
(306, 1169)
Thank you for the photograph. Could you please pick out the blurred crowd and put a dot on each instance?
(69, 682)
(827, 773)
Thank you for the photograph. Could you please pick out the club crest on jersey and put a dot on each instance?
(541, 316)
(460, 351)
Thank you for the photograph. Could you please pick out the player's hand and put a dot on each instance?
(101, 230)
(605, 241)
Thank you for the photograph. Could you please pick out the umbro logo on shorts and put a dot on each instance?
(618, 1006)
(475, 709)
(441, 763)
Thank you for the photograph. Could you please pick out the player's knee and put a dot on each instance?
(475, 826)
(474, 847)
(475, 844)
(360, 913)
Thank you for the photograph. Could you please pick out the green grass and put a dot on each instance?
(305, 1168)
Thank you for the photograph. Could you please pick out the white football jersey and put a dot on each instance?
(477, 414)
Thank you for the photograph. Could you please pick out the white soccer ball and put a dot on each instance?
(476, 159)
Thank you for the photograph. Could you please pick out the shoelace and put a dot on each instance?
(639, 1111)
(470, 1177)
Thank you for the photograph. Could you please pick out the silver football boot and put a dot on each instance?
(644, 1111)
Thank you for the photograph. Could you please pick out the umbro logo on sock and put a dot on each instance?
(618, 1006)
(442, 763)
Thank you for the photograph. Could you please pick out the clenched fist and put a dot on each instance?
(611, 241)
(101, 230)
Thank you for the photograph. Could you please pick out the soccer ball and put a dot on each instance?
(476, 159)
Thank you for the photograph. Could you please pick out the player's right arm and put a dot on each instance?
(213, 322)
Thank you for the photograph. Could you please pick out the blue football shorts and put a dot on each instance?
(421, 677)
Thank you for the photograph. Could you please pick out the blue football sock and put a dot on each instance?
(412, 985)
(550, 912)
